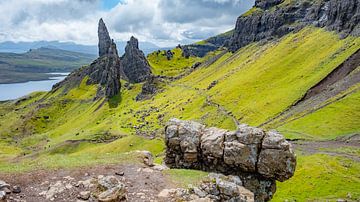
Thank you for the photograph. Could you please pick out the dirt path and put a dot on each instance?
(143, 184)
(332, 148)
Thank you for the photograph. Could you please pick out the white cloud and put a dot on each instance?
(164, 22)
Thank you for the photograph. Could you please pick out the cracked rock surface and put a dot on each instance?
(258, 157)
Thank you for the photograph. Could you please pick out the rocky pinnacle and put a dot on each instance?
(134, 66)
(104, 39)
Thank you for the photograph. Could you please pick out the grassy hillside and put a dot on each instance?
(32, 64)
(253, 85)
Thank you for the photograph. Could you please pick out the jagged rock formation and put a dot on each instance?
(216, 188)
(104, 39)
(197, 50)
(149, 88)
(104, 71)
(134, 66)
(265, 22)
(257, 157)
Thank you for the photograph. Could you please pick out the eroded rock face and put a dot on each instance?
(104, 39)
(104, 71)
(256, 156)
(134, 66)
(216, 187)
(265, 4)
(339, 15)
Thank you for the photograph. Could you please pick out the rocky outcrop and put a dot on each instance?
(197, 50)
(134, 66)
(149, 88)
(264, 22)
(259, 158)
(104, 71)
(216, 187)
(105, 41)
(265, 4)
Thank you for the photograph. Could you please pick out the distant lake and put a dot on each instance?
(16, 90)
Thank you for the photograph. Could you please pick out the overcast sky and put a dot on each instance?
(163, 22)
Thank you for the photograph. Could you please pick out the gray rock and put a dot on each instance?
(108, 182)
(115, 194)
(84, 195)
(16, 189)
(114, 189)
(3, 184)
(2, 196)
(266, 23)
(104, 71)
(277, 160)
(134, 65)
(255, 158)
(183, 144)
(104, 39)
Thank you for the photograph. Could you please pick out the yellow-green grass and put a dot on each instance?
(160, 65)
(259, 82)
(337, 119)
(185, 177)
(321, 177)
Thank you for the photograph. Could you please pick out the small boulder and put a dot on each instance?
(84, 195)
(16, 189)
(2, 195)
(115, 194)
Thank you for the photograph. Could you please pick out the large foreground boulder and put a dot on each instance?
(258, 157)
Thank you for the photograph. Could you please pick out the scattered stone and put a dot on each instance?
(4, 185)
(120, 173)
(53, 190)
(147, 157)
(84, 195)
(16, 190)
(2, 195)
(160, 167)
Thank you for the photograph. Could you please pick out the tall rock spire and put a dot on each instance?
(134, 66)
(104, 39)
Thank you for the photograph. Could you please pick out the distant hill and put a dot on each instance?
(22, 47)
(33, 65)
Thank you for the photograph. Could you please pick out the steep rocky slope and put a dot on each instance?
(276, 18)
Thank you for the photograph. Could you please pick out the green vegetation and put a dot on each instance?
(337, 119)
(185, 177)
(252, 11)
(177, 65)
(321, 178)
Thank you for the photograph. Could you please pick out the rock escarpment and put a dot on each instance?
(259, 158)
(134, 66)
(276, 18)
(104, 71)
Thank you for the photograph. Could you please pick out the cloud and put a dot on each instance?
(164, 22)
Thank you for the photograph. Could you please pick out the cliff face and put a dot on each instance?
(275, 18)
(134, 66)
